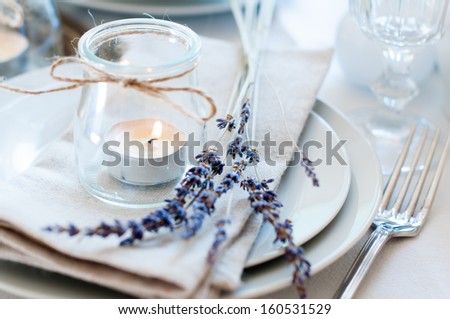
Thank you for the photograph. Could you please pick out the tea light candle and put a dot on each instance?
(145, 151)
(12, 45)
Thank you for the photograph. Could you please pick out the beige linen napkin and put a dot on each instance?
(165, 265)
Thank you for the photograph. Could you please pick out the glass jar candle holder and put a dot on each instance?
(42, 27)
(14, 45)
(30, 35)
(131, 136)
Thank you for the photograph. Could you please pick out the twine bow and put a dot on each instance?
(148, 87)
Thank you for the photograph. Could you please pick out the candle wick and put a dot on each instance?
(151, 140)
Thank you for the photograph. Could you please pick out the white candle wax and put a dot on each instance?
(145, 151)
(12, 45)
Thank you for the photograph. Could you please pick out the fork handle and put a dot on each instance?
(366, 256)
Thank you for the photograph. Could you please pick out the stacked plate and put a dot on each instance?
(327, 220)
(154, 7)
(351, 220)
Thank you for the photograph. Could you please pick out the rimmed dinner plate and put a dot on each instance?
(344, 231)
(155, 7)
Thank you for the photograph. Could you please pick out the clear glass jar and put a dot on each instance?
(42, 28)
(30, 35)
(14, 45)
(131, 145)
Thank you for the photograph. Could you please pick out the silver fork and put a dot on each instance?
(394, 221)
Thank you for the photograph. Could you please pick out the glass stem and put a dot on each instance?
(398, 61)
(395, 88)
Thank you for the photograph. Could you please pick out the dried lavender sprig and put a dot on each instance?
(71, 229)
(173, 212)
(245, 116)
(204, 204)
(192, 191)
(136, 229)
(302, 267)
(309, 170)
(235, 147)
(228, 122)
(264, 201)
(197, 186)
(219, 239)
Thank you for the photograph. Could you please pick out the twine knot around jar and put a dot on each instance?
(126, 83)
(146, 86)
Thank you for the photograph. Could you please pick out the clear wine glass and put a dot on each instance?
(400, 27)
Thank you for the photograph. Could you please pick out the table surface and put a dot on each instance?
(406, 268)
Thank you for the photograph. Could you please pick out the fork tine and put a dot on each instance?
(418, 190)
(435, 183)
(407, 182)
(396, 171)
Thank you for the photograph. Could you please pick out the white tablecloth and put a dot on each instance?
(406, 268)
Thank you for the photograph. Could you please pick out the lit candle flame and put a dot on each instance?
(157, 130)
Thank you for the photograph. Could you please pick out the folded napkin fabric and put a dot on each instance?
(165, 265)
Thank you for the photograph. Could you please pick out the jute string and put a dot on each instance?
(148, 87)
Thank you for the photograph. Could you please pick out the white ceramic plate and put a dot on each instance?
(344, 231)
(155, 7)
(309, 208)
